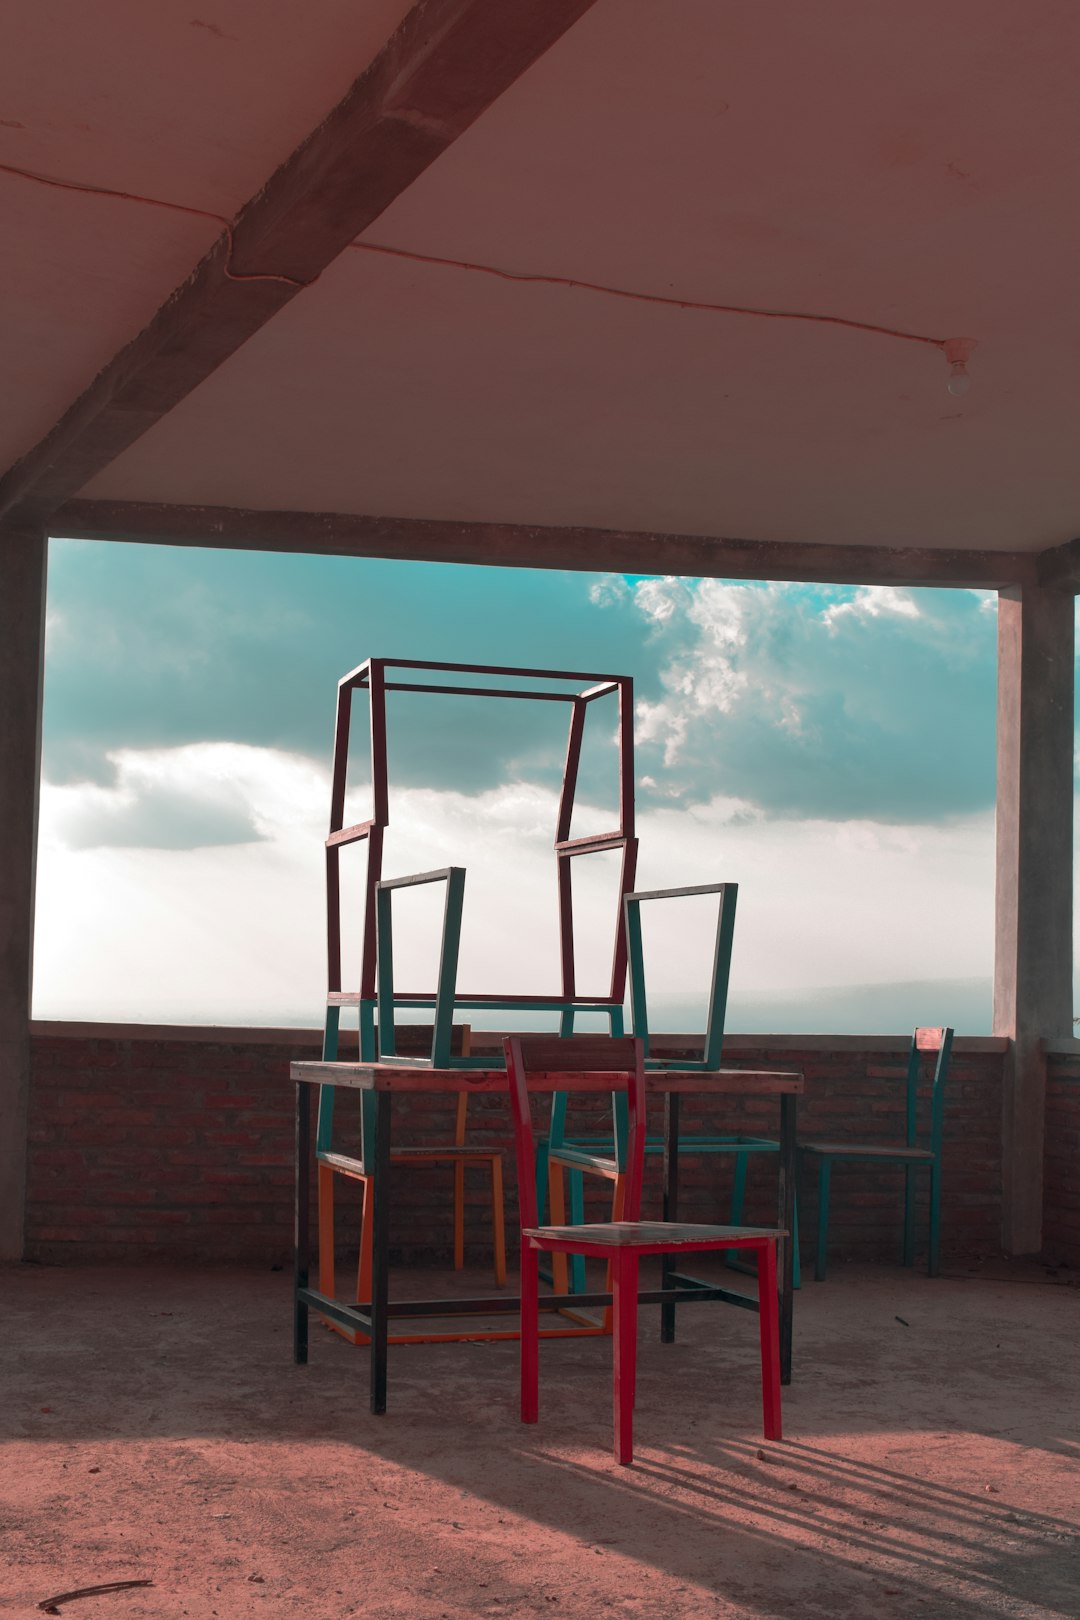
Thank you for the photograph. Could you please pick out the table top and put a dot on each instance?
(404, 1077)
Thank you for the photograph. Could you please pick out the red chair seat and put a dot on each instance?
(651, 1237)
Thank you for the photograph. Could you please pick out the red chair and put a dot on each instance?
(620, 1243)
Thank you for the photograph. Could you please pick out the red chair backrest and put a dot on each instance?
(536, 1062)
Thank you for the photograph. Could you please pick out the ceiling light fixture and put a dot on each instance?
(957, 353)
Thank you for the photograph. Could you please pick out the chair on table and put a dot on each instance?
(620, 1243)
(578, 1157)
(908, 1153)
(412, 1040)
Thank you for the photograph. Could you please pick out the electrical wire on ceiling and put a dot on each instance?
(957, 351)
(154, 202)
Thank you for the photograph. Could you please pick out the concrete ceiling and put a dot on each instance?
(906, 166)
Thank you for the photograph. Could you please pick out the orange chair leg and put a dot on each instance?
(769, 1324)
(459, 1215)
(625, 1288)
(327, 1282)
(498, 1224)
(367, 1243)
(530, 1333)
(560, 1271)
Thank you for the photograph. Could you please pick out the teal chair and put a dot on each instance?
(579, 1156)
(912, 1154)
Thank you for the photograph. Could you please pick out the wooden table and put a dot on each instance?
(387, 1080)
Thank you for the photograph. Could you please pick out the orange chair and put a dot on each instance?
(620, 1242)
(457, 1152)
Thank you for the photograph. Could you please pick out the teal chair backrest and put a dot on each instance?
(928, 1040)
(728, 894)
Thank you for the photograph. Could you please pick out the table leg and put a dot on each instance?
(380, 1259)
(671, 1205)
(786, 1219)
(301, 1220)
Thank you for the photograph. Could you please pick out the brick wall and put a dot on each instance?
(148, 1146)
(1061, 1222)
(178, 1144)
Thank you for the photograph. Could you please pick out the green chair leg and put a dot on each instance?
(738, 1203)
(909, 1215)
(541, 1180)
(933, 1264)
(738, 1189)
(733, 1257)
(576, 1190)
(824, 1176)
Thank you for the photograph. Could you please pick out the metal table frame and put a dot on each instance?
(385, 1080)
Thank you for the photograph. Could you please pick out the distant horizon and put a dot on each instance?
(890, 1008)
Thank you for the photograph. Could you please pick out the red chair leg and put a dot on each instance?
(530, 1333)
(625, 1306)
(769, 1324)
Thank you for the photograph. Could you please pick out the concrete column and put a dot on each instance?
(1033, 959)
(22, 647)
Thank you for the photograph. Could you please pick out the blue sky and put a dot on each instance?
(832, 749)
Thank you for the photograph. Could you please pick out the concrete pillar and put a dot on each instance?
(1033, 957)
(22, 647)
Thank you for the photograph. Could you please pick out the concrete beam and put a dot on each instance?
(1033, 958)
(521, 545)
(22, 649)
(1060, 566)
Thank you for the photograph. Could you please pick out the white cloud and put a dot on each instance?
(237, 934)
(872, 602)
(609, 589)
(659, 599)
(196, 796)
(813, 701)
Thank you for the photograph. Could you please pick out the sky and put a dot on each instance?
(831, 749)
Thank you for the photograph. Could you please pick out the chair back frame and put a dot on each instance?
(928, 1040)
(617, 1058)
(719, 978)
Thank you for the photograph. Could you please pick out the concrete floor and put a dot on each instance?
(155, 1428)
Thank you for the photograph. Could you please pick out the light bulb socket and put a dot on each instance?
(958, 352)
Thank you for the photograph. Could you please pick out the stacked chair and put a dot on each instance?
(379, 1000)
